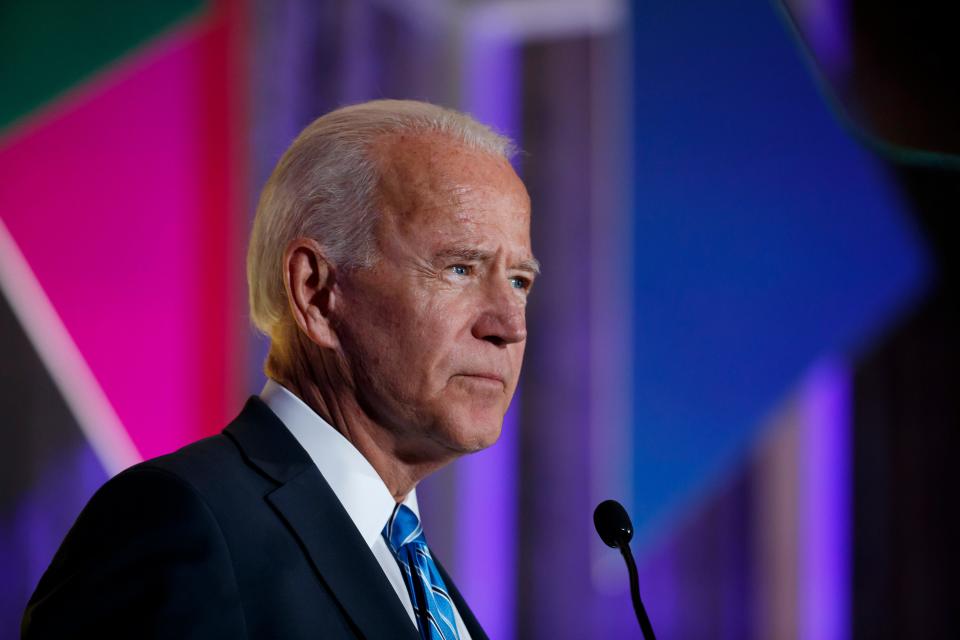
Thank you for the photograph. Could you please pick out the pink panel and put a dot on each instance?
(111, 203)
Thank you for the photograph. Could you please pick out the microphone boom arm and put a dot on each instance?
(645, 627)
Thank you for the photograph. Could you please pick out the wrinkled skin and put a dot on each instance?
(421, 352)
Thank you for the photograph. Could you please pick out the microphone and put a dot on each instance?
(615, 529)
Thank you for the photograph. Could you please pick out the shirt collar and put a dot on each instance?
(353, 479)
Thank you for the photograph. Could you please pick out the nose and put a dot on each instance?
(503, 320)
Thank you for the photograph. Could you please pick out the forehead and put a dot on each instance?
(431, 182)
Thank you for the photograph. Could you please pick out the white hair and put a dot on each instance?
(325, 188)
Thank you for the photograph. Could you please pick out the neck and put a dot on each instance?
(317, 377)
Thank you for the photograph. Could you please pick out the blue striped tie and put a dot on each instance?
(431, 602)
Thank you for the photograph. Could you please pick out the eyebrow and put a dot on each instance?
(531, 265)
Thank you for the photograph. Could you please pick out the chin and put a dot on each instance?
(469, 435)
(484, 441)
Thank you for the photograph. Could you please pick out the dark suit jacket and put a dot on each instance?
(235, 536)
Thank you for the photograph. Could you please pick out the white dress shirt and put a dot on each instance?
(353, 479)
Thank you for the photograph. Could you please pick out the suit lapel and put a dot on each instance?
(331, 541)
(341, 556)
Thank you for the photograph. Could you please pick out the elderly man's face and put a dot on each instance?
(434, 333)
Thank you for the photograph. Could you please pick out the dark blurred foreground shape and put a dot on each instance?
(893, 71)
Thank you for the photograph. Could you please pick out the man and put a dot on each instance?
(390, 264)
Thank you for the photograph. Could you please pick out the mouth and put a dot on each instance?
(489, 377)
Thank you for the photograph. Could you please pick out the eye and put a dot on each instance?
(518, 282)
(460, 269)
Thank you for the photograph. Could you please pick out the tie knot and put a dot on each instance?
(403, 528)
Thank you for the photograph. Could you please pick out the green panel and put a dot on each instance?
(48, 46)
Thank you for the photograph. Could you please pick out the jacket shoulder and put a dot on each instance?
(199, 464)
(145, 551)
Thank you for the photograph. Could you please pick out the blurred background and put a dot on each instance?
(746, 330)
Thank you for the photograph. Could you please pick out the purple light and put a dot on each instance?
(32, 528)
(824, 607)
(487, 530)
(826, 26)
(487, 482)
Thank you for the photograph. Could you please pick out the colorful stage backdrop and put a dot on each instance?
(122, 201)
(725, 267)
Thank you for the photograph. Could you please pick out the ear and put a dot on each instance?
(310, 281)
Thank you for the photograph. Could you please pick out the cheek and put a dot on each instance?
(371, 327)
(517, 356)
(430, 355)
(408, 338)
(403, 344)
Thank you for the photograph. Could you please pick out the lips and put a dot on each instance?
(494, 377)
